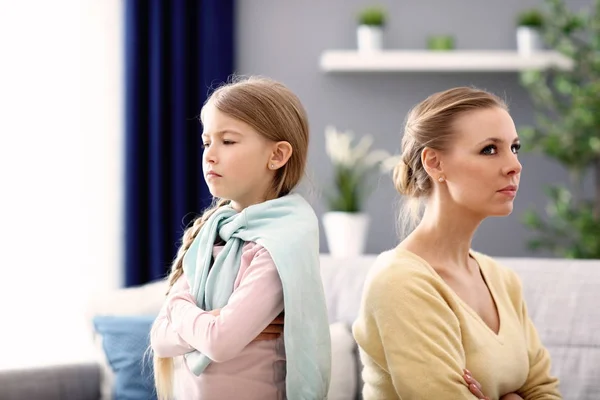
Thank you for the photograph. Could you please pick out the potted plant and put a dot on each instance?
(440, 42)
(567, 129)
(529, 24)
(346, 224)
(371, 21)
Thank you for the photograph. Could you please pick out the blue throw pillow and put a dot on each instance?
(125, 340)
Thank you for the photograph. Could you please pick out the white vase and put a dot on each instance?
(346, 233)
(370, 38)
(529, 40)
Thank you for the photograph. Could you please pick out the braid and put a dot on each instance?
(163, 367)
(188, 237)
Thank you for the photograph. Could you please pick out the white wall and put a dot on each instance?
(61, 172)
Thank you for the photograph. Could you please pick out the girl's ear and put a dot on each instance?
(282, 151)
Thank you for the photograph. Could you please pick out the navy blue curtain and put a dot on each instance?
(175, 50)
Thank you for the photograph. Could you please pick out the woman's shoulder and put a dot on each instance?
(493, 265)
(401, 270)
(499, 273)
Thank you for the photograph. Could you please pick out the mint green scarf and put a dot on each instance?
(288, 229)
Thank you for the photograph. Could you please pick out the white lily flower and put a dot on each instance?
(362, 148)
(389, 164)
(331, 142)
(338, 146)
(375, 157)
(356, 161)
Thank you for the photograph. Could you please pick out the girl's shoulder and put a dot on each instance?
(254, 254)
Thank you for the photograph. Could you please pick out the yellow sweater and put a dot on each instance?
(416, 336)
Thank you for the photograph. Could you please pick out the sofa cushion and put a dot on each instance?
(343, 363)
(57, 382)
(343, 280)
(562, 300)
(125, 340)
(135, 301)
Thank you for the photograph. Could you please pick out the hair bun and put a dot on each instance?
(402, 177)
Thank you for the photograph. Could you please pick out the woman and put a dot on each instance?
(433, 308)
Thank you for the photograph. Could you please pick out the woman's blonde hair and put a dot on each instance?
(431, 124)
(276, 113)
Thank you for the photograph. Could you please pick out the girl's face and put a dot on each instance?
(482, 169)
(236, 158)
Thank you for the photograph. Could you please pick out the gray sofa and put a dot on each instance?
(563, 298)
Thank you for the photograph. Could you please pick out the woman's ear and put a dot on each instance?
(282, 151)
(431, 160)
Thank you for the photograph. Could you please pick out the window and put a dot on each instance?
(61, 172)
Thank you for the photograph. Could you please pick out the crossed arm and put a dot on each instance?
(182, 326)
(418, 336)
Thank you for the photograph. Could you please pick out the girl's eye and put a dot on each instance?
(489, 150)
(205, 145)
(227, 142)
(516, 147)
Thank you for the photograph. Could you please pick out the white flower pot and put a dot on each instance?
(346, 233)
(370, 38)
(529, 40)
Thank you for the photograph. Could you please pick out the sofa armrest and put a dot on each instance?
(64, 382)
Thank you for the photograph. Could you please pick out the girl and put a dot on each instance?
(246, 259)
(435, 314)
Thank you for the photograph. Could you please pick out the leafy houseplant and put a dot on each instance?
(567, 129)
(353, 164)
(531, 18)
(372, 16)
(371, 21)
(529, 23)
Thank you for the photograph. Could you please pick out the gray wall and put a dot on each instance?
(284, 40)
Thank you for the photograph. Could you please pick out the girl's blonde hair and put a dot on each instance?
(276, 113)
(431, 124)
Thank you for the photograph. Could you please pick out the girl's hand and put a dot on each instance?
(273, 331)
(475, 388)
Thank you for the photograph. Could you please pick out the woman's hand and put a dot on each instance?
(273, 331)
(511, 396)
(475, 388)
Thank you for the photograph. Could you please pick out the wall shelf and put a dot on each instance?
(333, 61)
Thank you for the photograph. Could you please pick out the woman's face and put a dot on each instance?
(482, 168)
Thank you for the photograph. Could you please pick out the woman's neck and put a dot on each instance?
(445, 236)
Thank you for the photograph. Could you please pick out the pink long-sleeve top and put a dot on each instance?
(242, 369)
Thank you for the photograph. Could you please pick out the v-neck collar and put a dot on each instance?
(467, 307)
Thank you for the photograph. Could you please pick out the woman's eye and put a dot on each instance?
(205, 145)
(516, 147)
(227, 142)
(489, 150)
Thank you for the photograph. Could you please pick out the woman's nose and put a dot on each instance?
(513, 166)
